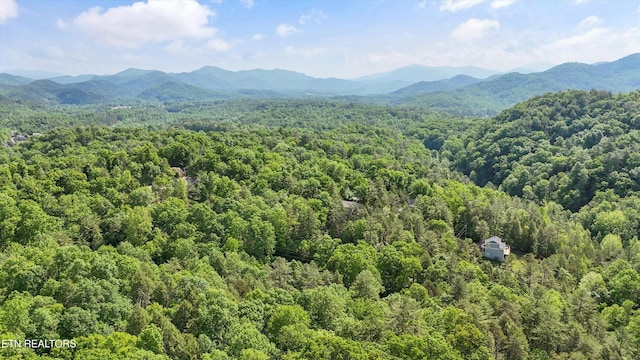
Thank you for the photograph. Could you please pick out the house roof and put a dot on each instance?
(496, 240)
(350, 204)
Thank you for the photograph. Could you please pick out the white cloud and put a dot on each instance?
(306, 52)
(145, 22)
(591, 37)
(49, 52)
(474, 29)
(580, 1)
(422, 4)
(590, 21)
(593, 45)
(392, 59)
(176, 47)
(456, 5)
(218, 45)
(61, 24)
(8, 10)
(248, 3)
(313, 15)
(257, 37)
(286, 30)
(496, 4)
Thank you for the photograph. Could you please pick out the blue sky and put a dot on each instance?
(328, 38)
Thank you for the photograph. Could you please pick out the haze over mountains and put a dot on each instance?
(215, 78)
(459, 90)
(465, 96)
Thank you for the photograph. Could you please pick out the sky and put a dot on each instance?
(330, 38)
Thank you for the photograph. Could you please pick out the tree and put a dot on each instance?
(398, 268)
(325, 305)
(143, 284)
(243, 336)
(286, 315)
(404, 315)
(349, 260)
(633, 333)
(77, 321)
(367, 285)
(429, 346)
(169, 213)
(137, 225)
(610, 222)
(261, 240)
(142, 196)
(33, 221)
(625, 285)
(151, 339)
(611, 246)
(14, 314)
(9, 218)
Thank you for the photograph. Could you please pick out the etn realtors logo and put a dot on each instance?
(37, 344)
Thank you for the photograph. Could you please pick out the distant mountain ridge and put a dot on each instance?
(470, 91)
(429, 73)
(51, 92)
(390, 81)
(13, 80)
(215, 78)
(132, 83)
(421, 87)
(488, 97)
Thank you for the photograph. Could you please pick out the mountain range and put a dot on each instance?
(466, 96)
(458, 90)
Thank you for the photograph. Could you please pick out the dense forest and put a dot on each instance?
(573, 148)
(321, 229)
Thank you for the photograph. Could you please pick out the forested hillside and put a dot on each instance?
(319, 230)
(319, 114)
(490, 96)
(575, 148)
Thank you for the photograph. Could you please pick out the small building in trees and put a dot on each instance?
(494, 248)
(350, 206)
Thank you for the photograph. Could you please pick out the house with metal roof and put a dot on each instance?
(494, 248)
